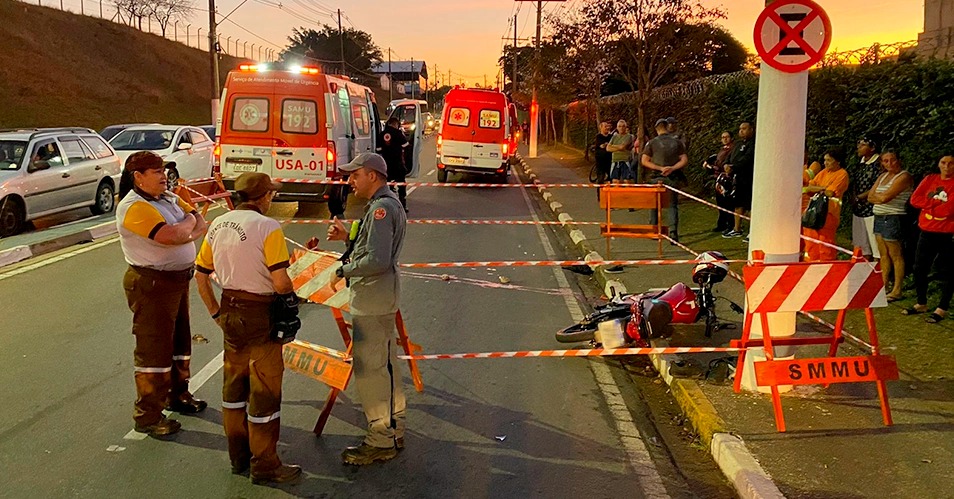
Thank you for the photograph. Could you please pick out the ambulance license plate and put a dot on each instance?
(245, 168)
(454, 161)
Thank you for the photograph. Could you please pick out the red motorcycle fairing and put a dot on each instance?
(682, 300)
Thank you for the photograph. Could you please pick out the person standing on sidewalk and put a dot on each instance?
(375, 282)
(741, 163)
(935, 198)
(156, 231)
(621, 145)
(862, 214)
(889, 195)
(248, 254)
(603, 158)
(723, 182)
(833, 182)
(391, 146)
(665, 157)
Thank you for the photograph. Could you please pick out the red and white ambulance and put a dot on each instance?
(475, 134)
(294, 123)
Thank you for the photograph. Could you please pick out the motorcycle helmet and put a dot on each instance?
(711, 268)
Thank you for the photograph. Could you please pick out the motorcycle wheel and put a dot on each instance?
(576, 333)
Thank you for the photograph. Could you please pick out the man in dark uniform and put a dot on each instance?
(741, 163)
(156, 231)
(665, 157)
(248, 253)
(373, 276)
(391, 146)
(604, 158)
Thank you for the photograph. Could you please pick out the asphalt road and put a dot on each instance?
(502, 428)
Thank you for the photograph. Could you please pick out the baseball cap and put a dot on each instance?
(661, 121)
(366, 160)
(255, 184)
(671, 120)
(144, 160)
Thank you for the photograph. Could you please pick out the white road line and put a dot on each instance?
(431, 173)
(195, 383)
(639, 457)
(55, 259)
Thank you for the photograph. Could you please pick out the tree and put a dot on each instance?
(324, 47)
(132, 12)
(167, 11)
(648, 42)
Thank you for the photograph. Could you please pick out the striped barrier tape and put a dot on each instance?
(583, 352)
(449, 222)
(550, 263)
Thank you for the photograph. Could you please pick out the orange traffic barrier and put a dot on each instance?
(636, 197)
(203, 191)
(806, 287)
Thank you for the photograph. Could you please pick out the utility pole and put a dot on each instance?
(414, 84)
(534, 105)
(390, 82)
(341, 40)
(214, 62)
(513, 92)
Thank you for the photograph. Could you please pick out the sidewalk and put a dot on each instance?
(836, 445)
(30, 244)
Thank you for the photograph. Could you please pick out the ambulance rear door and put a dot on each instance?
(299, 146)
(410, 113)
(490, 138)
(343, 129)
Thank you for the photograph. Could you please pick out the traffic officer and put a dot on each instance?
(156, 232)
(247, 252)
(372, 273)
(391, 146)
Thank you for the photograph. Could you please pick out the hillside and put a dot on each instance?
(58, 69)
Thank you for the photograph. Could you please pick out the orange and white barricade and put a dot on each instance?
(806, 287)
(203, 192)
(311, 273)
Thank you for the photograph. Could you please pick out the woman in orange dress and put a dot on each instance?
(833, 181)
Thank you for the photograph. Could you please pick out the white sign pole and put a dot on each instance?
(776, 192)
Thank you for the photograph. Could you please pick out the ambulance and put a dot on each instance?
(294, 123)
(475, 134)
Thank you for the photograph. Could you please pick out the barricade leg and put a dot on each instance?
(409, 349)
(740, 363)
(343, 328)
(770, 355)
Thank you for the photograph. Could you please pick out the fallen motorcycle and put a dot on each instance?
(640, 317)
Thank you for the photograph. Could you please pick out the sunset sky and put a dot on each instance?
(465, 35)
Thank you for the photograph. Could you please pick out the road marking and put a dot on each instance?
(55, 259)
(195, 383)
(431, 173)
(633, 443)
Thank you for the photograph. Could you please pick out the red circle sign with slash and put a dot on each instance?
(792, 35)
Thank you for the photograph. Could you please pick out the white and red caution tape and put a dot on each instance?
(549, 263)
(305, 221)
(584, 352)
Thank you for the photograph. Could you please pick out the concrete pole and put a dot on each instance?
(213, 63)
(513, 90)
(777, 176)
(534, 105)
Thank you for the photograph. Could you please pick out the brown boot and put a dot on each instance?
(281, 474)
(162, 428)
(187, 404)
(366, 454)
(399, 443)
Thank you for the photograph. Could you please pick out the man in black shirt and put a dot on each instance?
(604, 158)
(741, 163)
(391, 145)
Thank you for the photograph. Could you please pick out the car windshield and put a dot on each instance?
(110, 132)
(11, 154)
(142, 140)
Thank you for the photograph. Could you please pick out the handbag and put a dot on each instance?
(816, 213)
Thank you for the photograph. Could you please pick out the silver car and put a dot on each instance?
(50, 170)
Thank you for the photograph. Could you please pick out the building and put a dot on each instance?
(937, 40)
(410, 77)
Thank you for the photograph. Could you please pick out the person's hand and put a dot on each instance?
(334, 282)
(666, 170)
(337, 231)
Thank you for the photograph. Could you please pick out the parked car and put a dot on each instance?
(209, 130)
(50, 170)
(111, 131)
(187, 150)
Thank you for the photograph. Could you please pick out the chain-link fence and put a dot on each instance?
(192, 32)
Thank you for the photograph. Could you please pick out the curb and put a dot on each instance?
(27, 251)
(729, 451)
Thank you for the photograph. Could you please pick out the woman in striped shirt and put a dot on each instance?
(889, 195)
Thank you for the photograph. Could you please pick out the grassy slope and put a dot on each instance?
(59, 69)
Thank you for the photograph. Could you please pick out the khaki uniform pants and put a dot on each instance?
(252, 393)
(377, 377)
(160, 305)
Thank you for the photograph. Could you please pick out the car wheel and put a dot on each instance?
(338, 199)
(105, 199)
(11, 217)
(442, 176)
(172, 178)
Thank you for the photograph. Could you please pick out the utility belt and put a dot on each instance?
(238, 295)
(165, 275)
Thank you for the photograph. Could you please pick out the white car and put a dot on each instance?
(50, 170)
(187, 150)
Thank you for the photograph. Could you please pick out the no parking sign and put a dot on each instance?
(792, 35)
